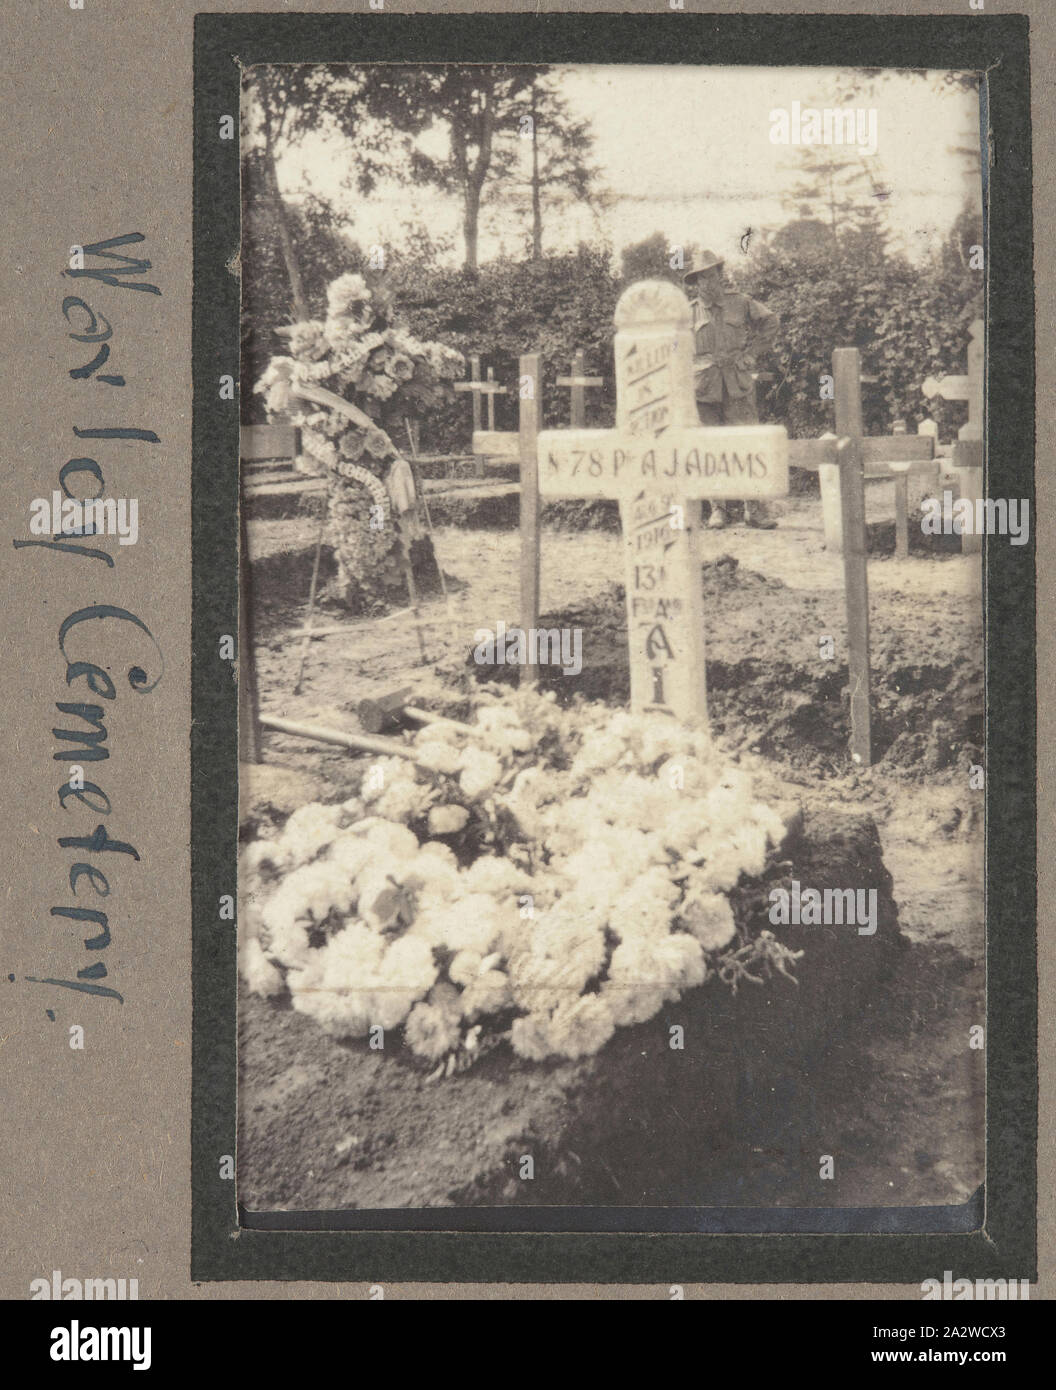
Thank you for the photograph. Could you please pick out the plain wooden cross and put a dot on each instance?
(579, 382)
(968, 451)
(659, 462)
(965, 388)
(844, 461)
(481, 388)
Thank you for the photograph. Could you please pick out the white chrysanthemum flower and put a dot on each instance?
(438, 756)
(433, 881)
(684, 957)
(383, 773)
(598, 887)
(431, 1032)
(409, 964)
(389, 839)
(447, 820)
(406, 974)
(685, 828)
(494, 874)
(403, 801)
(646, 907)
(489, 993)
(686, 775)
(312, 890)
(598, 751)
(353, 955)
(447, 999)
(440, 851)
(725, 860)
(659, 738)
(491, 717)
(563, 932)
(275, 384)
(530, 1036)
(480, 772)
(769, 821)
(258, 854)
(310, 829)
(380, 899)
(669, 964)
(519, 741)
(346, 293)
(465, 967)
(260, 975)
(557, 963)
(287, 942)
(580, 1027)
(352, 852)
(438, 731)
(322, 991)
(709, 917)
(476, 923)
(630, 1004)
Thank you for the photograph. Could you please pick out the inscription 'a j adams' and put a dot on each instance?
(621, 464)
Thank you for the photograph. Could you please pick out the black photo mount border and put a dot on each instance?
(224, 1246)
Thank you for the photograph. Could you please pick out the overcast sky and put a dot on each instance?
(687, 151)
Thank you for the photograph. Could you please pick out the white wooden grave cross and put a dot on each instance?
(660, 463)
(481, 388)
(965, 388)
(487, 443)
(578, 382)
(968, 451)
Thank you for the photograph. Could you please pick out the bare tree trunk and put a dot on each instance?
(289, 255)
(474, 177)
(469, 226)
(537, 201)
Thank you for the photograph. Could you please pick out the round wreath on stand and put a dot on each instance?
(350, 382)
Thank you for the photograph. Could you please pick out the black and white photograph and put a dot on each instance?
(611, 770)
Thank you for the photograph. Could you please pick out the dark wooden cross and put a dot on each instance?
(844, 462)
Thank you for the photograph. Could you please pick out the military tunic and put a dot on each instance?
(727, 336)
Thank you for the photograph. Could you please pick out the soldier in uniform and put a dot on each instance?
(729, 331)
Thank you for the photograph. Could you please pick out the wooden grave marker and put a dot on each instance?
(579, 383)
(884, 458)
(658, 462)
(491, 442)
(844, 461)
(968, 451)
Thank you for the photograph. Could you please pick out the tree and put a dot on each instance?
(282, 104)
(650, 259)
(833, 185)
(279, 104)
(485, 110)
(561, 169)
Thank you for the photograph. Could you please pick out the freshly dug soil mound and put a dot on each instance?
(768, 688)
(327, 1125)
(880, 541)
(501, 511)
